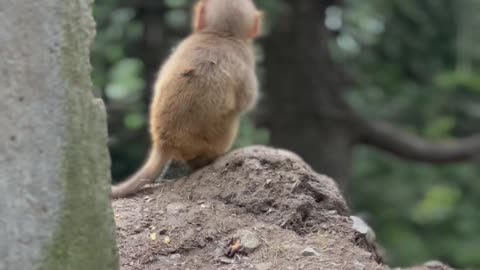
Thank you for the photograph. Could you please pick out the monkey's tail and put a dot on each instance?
(151, 170)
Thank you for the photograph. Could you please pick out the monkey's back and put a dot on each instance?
(195, 108)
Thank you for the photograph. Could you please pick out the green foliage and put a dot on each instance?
(176, 3)
(116, 28)
(249, 135)
(177, 18)
(125, 79)
(459, 78)
(272, 9)
(438, 204)
(409, 71)
(420, 212)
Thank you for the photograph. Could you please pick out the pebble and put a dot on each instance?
(310, 252)
(249, 241)
(332, 212)
(175, 256)
(225, 261)
(434, 265)
(362, 227)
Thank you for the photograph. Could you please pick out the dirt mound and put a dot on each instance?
(256, 208)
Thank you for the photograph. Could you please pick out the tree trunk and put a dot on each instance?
(303, 106)
(55, 210)
(156, 44)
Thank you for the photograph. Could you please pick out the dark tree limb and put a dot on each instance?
(403, 144)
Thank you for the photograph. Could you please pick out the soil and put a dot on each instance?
(255, 208)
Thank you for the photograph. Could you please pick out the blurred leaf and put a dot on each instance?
(125, 79)
(249, 135)
(135, 121)
(459, 78)
(176, 3)
(274, 10)
(177, 19)
(438, 204)
(122, 16)
(440, 127)
(412, 244)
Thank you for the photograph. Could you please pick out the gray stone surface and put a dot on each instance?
(54, 182)
(249, 241)
(310, 252)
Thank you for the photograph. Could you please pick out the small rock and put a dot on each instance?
(138, 229)
(310, 252)
(248, 240)
(153, 236)
(175, 208)
(224, 260)
(434, 265)
(175, 256)
(362, 227)
(263, 266)
(359, 225)
(201, 243)
(167, 240)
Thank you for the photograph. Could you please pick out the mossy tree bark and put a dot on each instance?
(55, 210)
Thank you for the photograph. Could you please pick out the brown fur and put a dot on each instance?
(202, 90)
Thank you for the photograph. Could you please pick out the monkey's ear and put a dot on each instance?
(199, 21)
(257, 26)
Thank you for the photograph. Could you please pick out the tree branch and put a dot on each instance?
(409, 146)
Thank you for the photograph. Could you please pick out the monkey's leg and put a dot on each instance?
(176, 169)
(200, 161)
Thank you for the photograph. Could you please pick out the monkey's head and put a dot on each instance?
(240, 18)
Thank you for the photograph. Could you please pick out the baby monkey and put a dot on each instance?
(202, 90)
